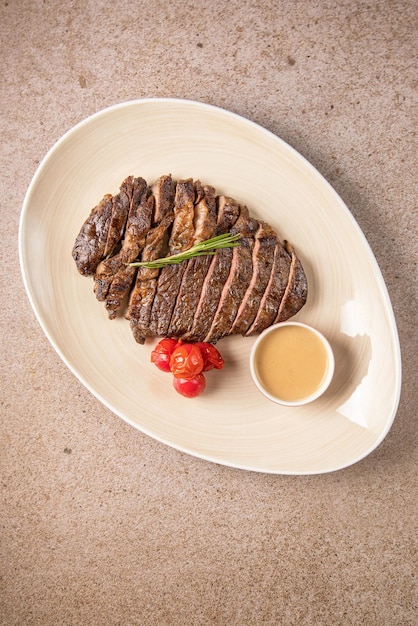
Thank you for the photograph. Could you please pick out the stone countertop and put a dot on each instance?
(104, 525)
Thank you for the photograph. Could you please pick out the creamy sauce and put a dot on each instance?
(292, 363)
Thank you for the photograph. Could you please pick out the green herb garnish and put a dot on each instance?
(210, 246)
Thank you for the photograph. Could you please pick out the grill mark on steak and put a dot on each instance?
(114, 276)
(238, 279)
(263, 255)
(296, 291)
(142, 295)
(169, 279)
(196, 269)
(274, 292)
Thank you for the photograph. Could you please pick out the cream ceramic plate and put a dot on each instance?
(231, 423)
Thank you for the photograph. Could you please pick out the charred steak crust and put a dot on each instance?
(240, 290)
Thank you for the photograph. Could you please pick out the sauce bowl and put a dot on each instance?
(292, 363)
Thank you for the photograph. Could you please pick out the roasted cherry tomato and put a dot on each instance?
(211, 356)
(186, 361)
(162, 352)
(190, 387)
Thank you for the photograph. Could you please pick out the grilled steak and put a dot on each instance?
(296, 289)
(113, 277)
(142, 295)
(218, 271)
(102, 231)
(263, 256)
(196, 268)
(169, 280)
(273, 295)
(240, 290)
(238, 280)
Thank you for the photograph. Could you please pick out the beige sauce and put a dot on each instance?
(291, 363)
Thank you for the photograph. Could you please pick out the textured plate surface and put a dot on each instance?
(231, 423)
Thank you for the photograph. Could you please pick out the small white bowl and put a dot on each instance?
(258, 352)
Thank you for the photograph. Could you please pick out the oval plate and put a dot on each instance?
(231, 423)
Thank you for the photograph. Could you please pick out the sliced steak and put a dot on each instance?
(212, 288)
(142, 295)
(263, 255)
(238, 279)
(296, 290)
(182, 235)
(228, 213)
(273, 295)
(106, 270)
(120, 211)
(103, 230)
(218, 271)
(205, 215)
(240, 290)
(90, 244)
(197, 268)
(170, 277)
(163, 190)
(114, 276)
(143, 292)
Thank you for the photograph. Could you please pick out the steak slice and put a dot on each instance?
(296, 290)
(120, 211)
(182, 234)
(114, 276)
(163, 190)
(106, 270)
(90, 243)
(263, 255)
(142, 295)
(228, 213)
(169, 279)
(238, 279)
(196, 269)
(273, 295)
(103, 230)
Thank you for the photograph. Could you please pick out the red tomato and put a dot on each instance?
(211, 356)
(186, 361)
(162, 352)
(190, 387)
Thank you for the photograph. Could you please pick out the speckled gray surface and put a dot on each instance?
(103, 525)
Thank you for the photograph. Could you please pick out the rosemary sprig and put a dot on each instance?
(204, 248)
